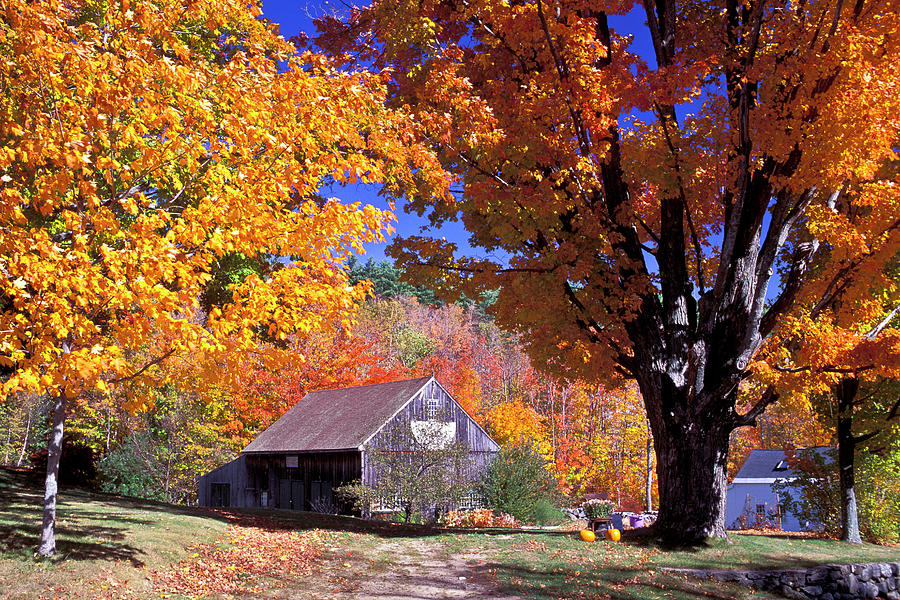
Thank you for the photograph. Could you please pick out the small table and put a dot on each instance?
(601, 523)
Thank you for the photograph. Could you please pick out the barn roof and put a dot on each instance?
(339, 419)
(765, 466)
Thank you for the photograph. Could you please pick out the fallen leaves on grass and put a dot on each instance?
(239, 559)
(779, 532)
(531, 545)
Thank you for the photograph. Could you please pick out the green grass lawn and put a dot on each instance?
(550, 565)
(99, 539)
(105, 540)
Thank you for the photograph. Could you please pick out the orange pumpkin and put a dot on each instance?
(613, 535)
(587, 535)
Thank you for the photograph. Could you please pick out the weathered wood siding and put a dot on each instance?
(265, 480)
(235, 476)
(259, 481)
(482, 448)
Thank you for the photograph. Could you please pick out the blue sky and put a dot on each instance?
(294, 17)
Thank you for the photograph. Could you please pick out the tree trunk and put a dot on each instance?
(692, 472)
(649, 472)
(846, 395)
(54, 451)
(27, 434)
(691, 463)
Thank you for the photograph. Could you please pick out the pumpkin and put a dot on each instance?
(613, 535)
(587, 535)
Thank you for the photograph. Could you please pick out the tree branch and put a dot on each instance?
(769, 396)
(562, 69)
(825, 369)
(873, 333)
(155, 361)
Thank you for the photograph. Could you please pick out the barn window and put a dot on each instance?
(290, 462)
(432, 408)
(781, 466)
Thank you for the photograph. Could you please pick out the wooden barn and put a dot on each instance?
(327, 438)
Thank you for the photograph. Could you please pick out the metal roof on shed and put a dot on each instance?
(762, 464)
(339, 419)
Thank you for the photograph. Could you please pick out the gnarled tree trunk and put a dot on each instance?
(692, 462)
(693, 482)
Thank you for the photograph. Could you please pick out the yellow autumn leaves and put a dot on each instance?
(146, 142)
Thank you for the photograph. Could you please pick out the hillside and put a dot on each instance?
(114, 547)
(118, 548)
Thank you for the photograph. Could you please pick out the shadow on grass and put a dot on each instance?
(20, 530)
(311, 520)
(95, 533)
(71, 542)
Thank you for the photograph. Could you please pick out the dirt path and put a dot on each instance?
(418, 569)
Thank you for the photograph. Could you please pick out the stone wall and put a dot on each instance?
(828, 582)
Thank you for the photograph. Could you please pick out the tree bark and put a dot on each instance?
(692, 471)
(846, 395)
(649, 473)
(47, 546)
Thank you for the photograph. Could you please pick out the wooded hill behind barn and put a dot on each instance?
(327, 439)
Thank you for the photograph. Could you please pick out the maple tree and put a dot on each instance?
(827, 353)
(511, 423)
(144, 143)
(645, 208)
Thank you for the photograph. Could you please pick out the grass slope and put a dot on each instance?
(99, 539)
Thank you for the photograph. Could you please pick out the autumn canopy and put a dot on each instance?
(144, 145)
(662, 217)
(720, 224)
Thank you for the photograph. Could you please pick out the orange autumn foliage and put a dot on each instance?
(144, 144)
(658, 218)
(135, 159)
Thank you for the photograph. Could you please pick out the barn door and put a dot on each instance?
(284, 494)
(290, 494)
(220, 495)
(297, 495)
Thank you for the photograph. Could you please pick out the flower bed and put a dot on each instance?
(598, 509)
(481, 517)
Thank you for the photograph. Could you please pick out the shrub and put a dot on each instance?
(518, 480)
(124, 471)
(879, 511)
(545, 513)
